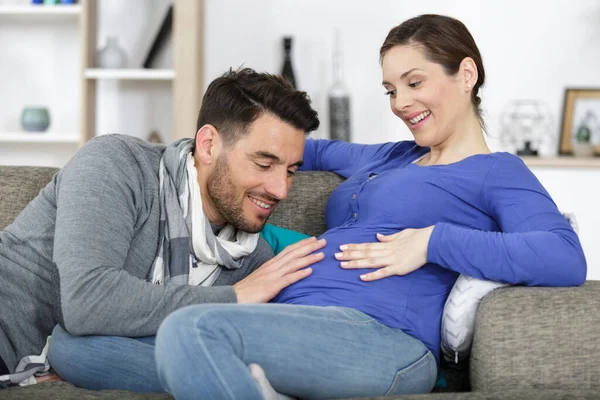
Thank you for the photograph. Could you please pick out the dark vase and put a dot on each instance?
(288, 71)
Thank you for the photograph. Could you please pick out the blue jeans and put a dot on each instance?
(105, 362)
(308, 352)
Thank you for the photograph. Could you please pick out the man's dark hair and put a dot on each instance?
(236, 99)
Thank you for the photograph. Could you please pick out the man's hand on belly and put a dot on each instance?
(285, 268)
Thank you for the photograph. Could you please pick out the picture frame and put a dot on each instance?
(580, 105)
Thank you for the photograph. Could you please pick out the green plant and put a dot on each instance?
(584, 134)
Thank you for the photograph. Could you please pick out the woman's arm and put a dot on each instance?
(345, 158)
(536, 245)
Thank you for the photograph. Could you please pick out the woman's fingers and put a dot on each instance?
(373, 261)
(364, 247)
(379, 274)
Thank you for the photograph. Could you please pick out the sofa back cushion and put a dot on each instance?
(304, 209)
(18, 186)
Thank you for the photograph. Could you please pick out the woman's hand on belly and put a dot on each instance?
(397, 254)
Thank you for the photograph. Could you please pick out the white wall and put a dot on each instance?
(531, 49)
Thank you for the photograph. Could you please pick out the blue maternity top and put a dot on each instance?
(493, 220)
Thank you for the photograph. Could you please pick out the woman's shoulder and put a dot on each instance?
(503, 161)
(507, 170)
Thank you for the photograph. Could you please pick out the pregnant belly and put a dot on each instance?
(329, 284)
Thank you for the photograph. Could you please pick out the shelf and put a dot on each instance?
(58, 10)
(131, 74)
(40, 137)
(562, 162)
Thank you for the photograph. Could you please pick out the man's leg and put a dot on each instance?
(105, 362)
(307, 352)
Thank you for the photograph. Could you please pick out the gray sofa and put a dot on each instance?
(530, 343)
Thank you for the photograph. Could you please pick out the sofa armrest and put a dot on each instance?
(534, 337)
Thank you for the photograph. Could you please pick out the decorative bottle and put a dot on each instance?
(288, 71)
(112, 55)
(339, 97)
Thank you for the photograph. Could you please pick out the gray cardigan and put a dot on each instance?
(80, 252)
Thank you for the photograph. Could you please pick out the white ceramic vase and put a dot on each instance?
(112, 55)
(583, 149)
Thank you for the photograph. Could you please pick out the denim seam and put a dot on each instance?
(211, 361)
(340, 320)
(347, 321)
(403, 372)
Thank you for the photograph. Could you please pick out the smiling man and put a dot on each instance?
(128, 231)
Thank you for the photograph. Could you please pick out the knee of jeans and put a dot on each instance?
(58, 340)
(183, 322)
(60, 347)
(201, 320)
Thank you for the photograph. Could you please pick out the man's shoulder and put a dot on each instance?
(114, 159)
(119, 142)
(118, 151)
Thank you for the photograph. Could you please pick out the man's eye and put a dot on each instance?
(414, 84)
(263, 167)
(291, 173)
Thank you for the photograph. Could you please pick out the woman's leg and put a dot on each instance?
(104, 362)
(308, 352)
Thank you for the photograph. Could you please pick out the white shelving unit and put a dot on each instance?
(40, 10)
(562, 162)
(185, 78)
(17, 146)
(80, 21)
(40, 137)
(131, 74)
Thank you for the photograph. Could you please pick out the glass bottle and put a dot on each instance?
(288, 71)
(339, 97)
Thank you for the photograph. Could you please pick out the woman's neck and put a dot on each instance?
(458, 146)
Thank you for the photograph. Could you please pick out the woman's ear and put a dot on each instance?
(208, 144)
(469, 75)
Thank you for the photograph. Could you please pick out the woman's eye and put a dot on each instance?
(414, 84)
(390, 93)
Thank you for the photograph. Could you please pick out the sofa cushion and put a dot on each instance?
(537, 337)
(307, 197)
(18, 186)
(66, 391)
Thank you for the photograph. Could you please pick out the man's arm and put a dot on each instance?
(99, 196)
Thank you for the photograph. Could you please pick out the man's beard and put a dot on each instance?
(222, 192)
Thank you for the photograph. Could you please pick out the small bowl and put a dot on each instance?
(35, 119)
